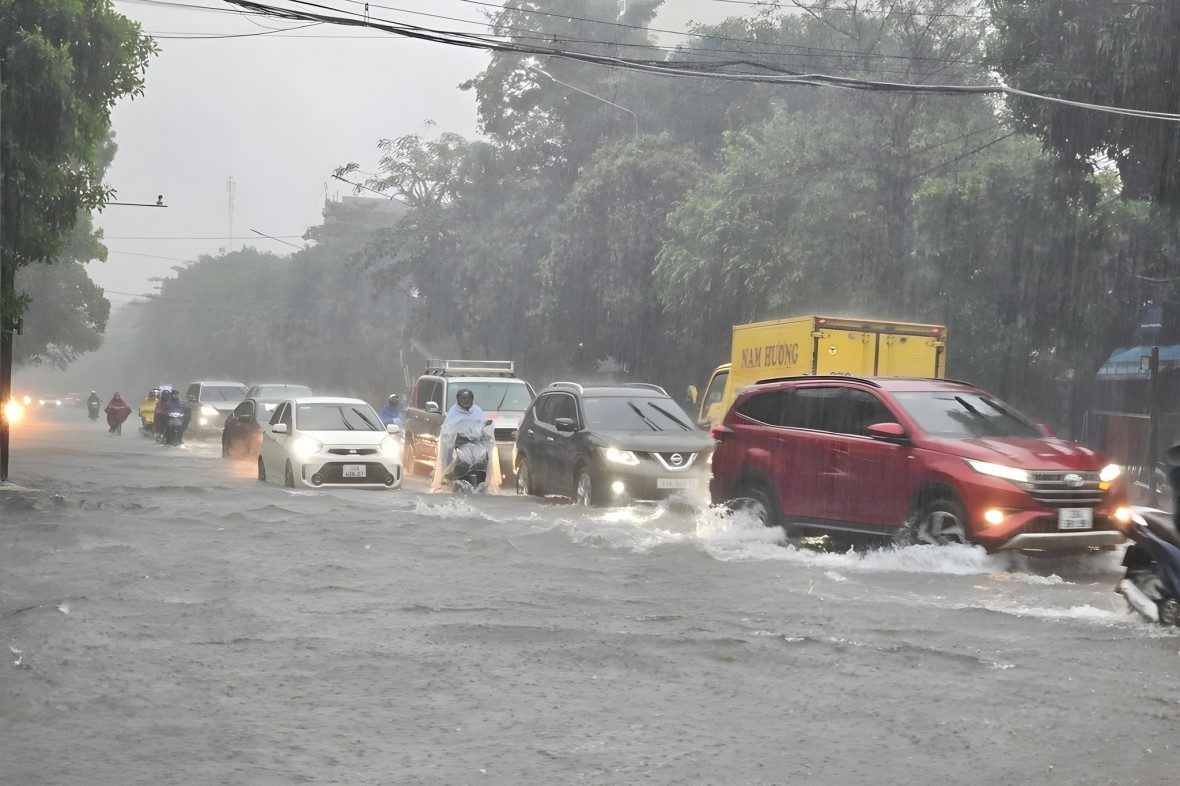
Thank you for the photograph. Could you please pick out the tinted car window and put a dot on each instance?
(864, 410)
(245, 409)
(277, 417)
(769, 407)
(964, 415)
(819, 408)
(336, 417)
(629, 413)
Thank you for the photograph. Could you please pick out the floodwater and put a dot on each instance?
(167, 619)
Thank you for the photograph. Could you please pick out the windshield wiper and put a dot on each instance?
(967, 405)
(651, 424)
(669, 416)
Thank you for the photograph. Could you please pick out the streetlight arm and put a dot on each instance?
(591, 95)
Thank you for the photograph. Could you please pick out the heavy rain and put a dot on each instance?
(589, 391)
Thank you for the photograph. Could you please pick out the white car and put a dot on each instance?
(328, 441)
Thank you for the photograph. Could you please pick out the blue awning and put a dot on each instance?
(1131, 362)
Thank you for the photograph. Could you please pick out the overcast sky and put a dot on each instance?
(276, 113)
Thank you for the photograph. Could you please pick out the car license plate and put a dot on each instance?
(354, 471)
(677, 483)
(1075, 518)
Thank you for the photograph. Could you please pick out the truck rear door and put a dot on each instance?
(910, 356)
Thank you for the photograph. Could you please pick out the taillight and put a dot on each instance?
(721, 433)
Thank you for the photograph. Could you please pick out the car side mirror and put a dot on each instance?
(393, 428)
(565, 425)
(279, 428)
(432, 407)
(888, 432)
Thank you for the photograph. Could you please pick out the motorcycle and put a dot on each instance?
(147, 427)
(174, 426)
(92, 408)
(472, 457)
(1151, 585)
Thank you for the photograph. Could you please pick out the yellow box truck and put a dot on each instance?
(823, 345)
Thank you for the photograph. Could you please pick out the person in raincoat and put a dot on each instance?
(147, 408)
(117, 411)
(468, 419)
(392, 412)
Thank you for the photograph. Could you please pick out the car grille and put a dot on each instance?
(1050, 488)
(674, 460)
(506, 435)
(352, 451)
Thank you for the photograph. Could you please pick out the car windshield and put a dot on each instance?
(223, 393)
(635, 413)
(336, 417)
(963, 415)
(496, 396)
(283, 391)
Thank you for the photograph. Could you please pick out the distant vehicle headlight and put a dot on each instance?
(621, 456)
(1110, 472)
(13, 411)
(305, 446)
(390, 447)
(999, 471)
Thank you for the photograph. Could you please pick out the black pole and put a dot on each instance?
(1153, 442)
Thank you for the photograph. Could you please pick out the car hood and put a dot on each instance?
(1046, 454)
(504, 419)
(656, 441)
(348, 439)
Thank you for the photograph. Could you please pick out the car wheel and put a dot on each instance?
(937, 522)
(585, 493)
(288, 476)
(261, 469)
(409, 462)
(760, 504)
(524, 479)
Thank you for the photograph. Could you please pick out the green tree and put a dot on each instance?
(1124, 55)
(64, 63)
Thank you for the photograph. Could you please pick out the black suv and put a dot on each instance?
(602, 444)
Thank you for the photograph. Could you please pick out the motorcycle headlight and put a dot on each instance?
(389, 448)
(1110, 472)
(999, 471)
(621, 456)
(305, 446)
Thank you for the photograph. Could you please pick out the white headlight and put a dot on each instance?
(306, 446)
(1110, 472)
(999, 471)
(390, 448)
(621, 456)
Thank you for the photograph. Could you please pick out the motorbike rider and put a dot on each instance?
(392, 412)
(147, 408)
(175, 403)
(1152, 561)
(117, 412)
(93, 404)
(158, 417)
(467, 418)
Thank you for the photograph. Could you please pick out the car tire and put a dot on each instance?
(261, 469)
(288, 476)
(761, 504)
(524, 479)
(938, 521)
(409, 462)
(586, 493)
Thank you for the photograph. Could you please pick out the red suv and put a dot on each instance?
(916, 460)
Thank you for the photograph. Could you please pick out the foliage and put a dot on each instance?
(64, 64)
(1113, 54)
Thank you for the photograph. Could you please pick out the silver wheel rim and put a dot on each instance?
(759, 510)
(584, 490)
(940, 527)
(522, 478)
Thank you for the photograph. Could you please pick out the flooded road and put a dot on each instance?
(167, 619)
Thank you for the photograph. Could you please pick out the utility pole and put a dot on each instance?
(7, 284)
(230, 186)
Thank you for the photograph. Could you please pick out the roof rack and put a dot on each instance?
(469, 368)
(647, 385)
(571, 385)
